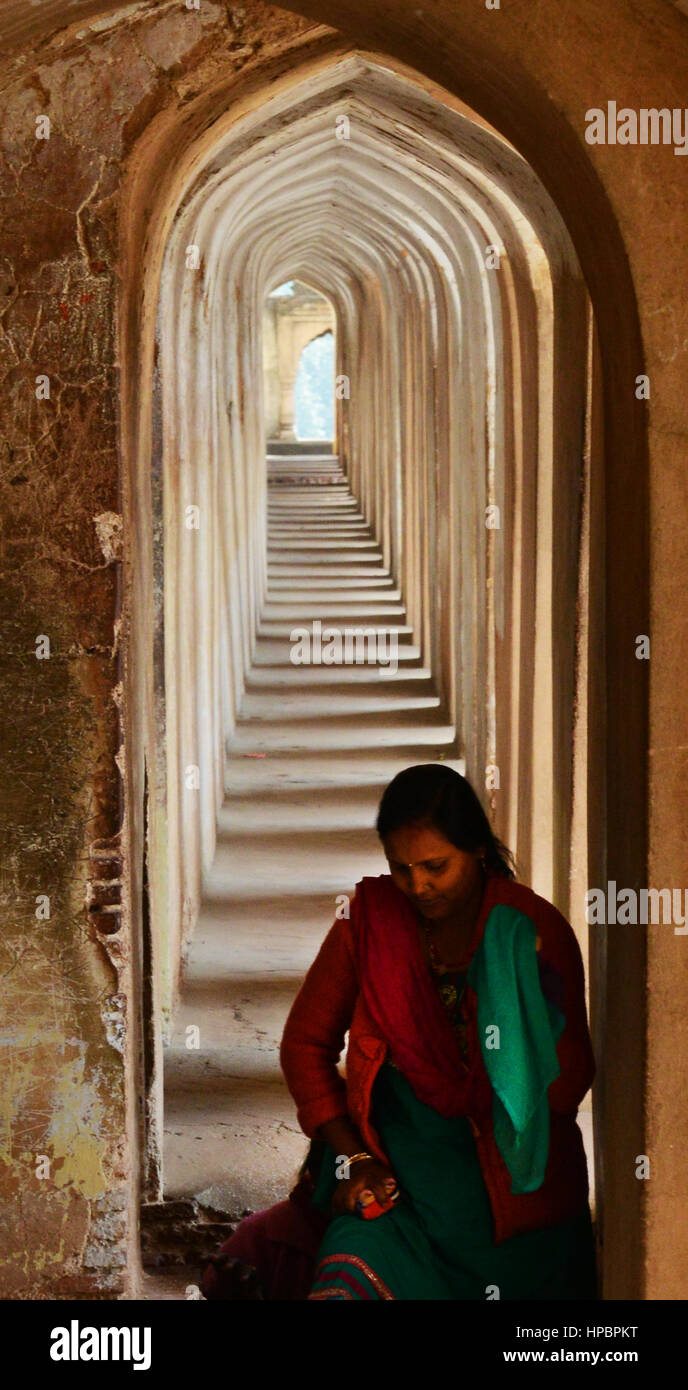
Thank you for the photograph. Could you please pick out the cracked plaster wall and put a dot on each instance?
(69, 1035)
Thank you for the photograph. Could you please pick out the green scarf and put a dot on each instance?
(504, 975)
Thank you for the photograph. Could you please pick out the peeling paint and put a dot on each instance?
(75, 1129)
(69, 1066)
(109, 530)
(114, 1017)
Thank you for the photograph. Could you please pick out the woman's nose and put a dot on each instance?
(418, 882)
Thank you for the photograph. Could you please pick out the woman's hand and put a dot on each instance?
(368, 1178)
(366, 1175)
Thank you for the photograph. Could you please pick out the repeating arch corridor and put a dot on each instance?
(467, 433)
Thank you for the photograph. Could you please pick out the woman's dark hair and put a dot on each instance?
(434, 794)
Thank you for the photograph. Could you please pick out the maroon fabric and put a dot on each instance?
(280, 1243)
(401, 998)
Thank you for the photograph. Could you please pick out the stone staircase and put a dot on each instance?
(314, 747)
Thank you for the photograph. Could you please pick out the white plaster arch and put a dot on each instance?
(456, 402)
(396, 238)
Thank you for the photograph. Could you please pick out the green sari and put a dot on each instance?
(436, 1242)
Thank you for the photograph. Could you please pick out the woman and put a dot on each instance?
(468, 1056)
(449, 1164)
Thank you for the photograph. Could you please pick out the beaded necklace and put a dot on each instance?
(450, 984)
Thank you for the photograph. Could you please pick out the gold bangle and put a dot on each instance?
(354, 1159)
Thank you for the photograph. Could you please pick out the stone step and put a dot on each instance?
(343, 537)
(247, 1134)
(292, 862)
(296, 570)
(240, 1017)
(273, 705)
(314, 495)
(283, 591)
(344, 610)
(299, 448)
(286, 598)
(324, 466)
(337, 734)
(299, 808)
(316, 516)
(313, 478)
(344, 545)
(267, 934)
(315, 769)
(325, 556)
(332, 509)
(319, 530)
(288, 514)
(318, 509)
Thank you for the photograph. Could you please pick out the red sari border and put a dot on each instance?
(357, 1263)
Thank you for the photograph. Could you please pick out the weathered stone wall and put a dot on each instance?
(69, 958)
(64, 994)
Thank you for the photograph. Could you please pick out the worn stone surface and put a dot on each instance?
(68, 1030)
(180, 1233)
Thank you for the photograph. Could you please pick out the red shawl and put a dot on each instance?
(402, 999)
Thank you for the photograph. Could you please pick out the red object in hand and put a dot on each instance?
(370, 1208)
(374, 1209)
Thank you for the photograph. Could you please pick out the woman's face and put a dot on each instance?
(439, 879)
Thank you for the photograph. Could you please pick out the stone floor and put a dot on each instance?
(171, 1285)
